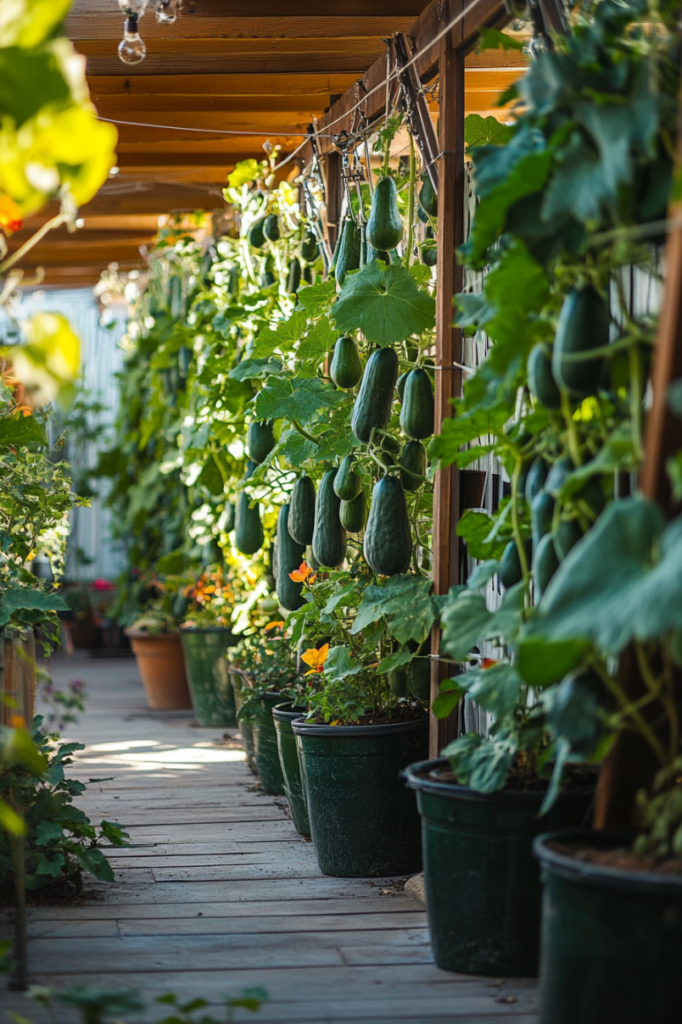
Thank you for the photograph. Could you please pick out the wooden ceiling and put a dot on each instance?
(223, 66)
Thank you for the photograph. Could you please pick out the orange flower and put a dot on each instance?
(275, 625)
(316, 659)
(17, 721)
(488, 663)
(303, 574)
(10, 214)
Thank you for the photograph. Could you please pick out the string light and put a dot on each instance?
(132, 49)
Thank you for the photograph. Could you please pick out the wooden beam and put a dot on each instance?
(216, 46)
(448, 339)
(109, 26)
(163, 63)
(267, 84)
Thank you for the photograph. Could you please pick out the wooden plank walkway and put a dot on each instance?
(217, 892)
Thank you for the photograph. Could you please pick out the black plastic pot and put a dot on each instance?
(483, 891)
(265, 746)
(284, 714)
(205, 653)
(611, 940)
(363, 821)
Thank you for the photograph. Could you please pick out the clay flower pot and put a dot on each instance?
(161, 665)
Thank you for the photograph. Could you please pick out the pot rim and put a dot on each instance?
(280, 712)
(646, 882)
(143, 634)
(206, 629)
(303, 728)
(452, 791)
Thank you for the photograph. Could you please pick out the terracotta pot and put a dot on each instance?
(18, 678)
(161, 665)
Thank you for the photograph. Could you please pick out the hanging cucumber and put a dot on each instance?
(184, 360)
(429, 249)
(294, 276)
(289, 557)
(388, 540)
(400, 385)
(509, 571)
(419, 678)
(349, 251)
(535, 478)
(302, 510)
(307, 275)
(397, 683)
(206, 264)
(413, 465)
(541, 513)
(346, 367)
(175, 297)
(347, 483)
(248, 529)
(309, 247)
(427, 196)
(540, 380)
(384, 227)
(256, 234)
(416, 415)
(566, 536)
(583, 326)
(558, 474)
(229, 517)
(353, 513)
(545, 564)
(260, 440)
(329, 537)
(372, 407)
(271, 228)
(369, 253)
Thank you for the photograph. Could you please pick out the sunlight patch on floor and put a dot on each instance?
(183, 758)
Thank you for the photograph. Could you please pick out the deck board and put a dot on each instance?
(217, 891)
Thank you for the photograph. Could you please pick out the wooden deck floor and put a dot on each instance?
(218, 892)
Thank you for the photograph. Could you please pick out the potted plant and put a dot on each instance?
(206, 636)
(359, 638)
(156, 645)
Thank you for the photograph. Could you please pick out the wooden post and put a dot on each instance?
(448, 339)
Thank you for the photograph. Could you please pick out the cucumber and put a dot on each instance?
(509, 571)
(369, 253)
(566, 536)
(229, 517)
(558, 474)
(541, 513)
(248, 529)
(184, 360)
(349, 251)
(256, 234)
(419, 678)
(175, 298)
(582, 327)
(397, 683)
(271, 228)
(427, 196)
(387, 449)
(302, 511)
(413, 465)
(384, 227)
(353, 513)
(429, 252)
(372, 409)
(294, 276)
(307, 275)
(416, 415)
(388, 540)
(400, 385)
(346, 367)
(347, 483)
(545, 564)
(289, 557)
(540, 380)
(329, 536)
(535, 479)
(309, 247)
(260, 440)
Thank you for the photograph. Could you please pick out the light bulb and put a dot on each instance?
(131, 49)
(166, 12)
(133, 7)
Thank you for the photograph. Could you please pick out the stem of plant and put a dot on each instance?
(516, 524)
(571, 432)
(636, 402)
(410, 202)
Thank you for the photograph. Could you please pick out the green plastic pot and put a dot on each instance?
(265, 745)
(284, 714)
(483, 890)
(611, 940)
(245, 728)
(363, 821)
(205, 653)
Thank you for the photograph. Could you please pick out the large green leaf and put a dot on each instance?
(622, 581)
(405, 601)
(18, 430)
(482, 764)
(485, 131)
(18, 598)
(385, 303)
(340, 664)
(541, 662)
(466, 619)
(297, 399)
(496, 688)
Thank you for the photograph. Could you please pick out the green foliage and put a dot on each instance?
(385, 303)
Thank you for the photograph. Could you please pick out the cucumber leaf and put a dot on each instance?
(385, 303)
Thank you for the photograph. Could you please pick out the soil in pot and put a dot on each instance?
(611, 932)
(283, 715)
(265, 745)
(245, 728)
(159, 659)
(482, 883)
(206, 666)
(363, 821)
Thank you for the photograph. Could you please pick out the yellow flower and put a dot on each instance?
(302, 574)
(316, 659)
